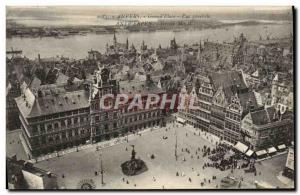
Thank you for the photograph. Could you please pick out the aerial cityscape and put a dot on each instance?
(161, 98)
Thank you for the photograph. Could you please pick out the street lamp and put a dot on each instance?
(101, 170)
(176, 144)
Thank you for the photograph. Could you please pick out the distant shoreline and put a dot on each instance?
(16, 30)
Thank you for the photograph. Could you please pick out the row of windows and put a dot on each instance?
(59, 115)
(217, 124)
(106, 116)
(59, 136)
(110, 103)
(104, 128)
(203, 124)
(205, 98)
(205, 90)
(232, 126)
(205, 106)
(274, 131)
(141, 117)
(233, 116)
(56, 125)
(200, 113)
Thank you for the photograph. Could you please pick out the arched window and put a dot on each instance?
(49, 127)
(55, 125)
(50, 139)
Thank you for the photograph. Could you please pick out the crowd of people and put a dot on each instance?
(222, 159)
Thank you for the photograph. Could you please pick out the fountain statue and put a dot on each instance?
(133, 166)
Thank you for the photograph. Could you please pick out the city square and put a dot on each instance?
(72, 168)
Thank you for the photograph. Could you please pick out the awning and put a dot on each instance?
(281, 147)
(241, 147)
(272, 150)
(249, 152)
(180, 120)
(261, 152)
(263, 185)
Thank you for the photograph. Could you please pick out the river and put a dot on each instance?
(77, 46)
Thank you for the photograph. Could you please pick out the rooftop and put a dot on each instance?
(50, 100)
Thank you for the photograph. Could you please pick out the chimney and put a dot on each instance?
(40, 94)
(148, 77)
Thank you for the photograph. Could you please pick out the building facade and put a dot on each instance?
(282, 96)
(289, 169)
(23, 175)
(266, 128)
(55, 117)
(223, 99)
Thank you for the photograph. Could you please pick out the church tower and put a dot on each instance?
(115, 40)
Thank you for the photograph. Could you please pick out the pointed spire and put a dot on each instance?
(115, 38)
(107, 47)
(143, 45)
(275, 78)
(127, 43)
(159, 84)
(200, 47)
(132, 47)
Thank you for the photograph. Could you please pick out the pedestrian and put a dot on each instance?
(190, 180)
(63, 176)
(96, 173)
(240, 184)
(127, 182)
(123, 179)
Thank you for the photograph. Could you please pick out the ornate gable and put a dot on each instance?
(219, 98)
(235, 104)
